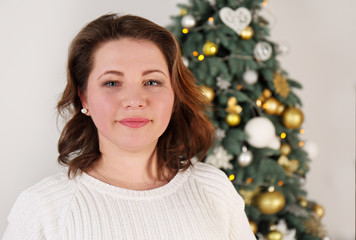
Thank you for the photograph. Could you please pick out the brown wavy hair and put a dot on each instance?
(189, 133)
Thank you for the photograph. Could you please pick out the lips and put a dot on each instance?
(134, 122)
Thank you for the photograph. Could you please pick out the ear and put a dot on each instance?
(83, 100)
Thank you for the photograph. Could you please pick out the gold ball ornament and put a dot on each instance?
(247, 33)
(280, 109)
(267, 93)
(233, 119)
(208, 92)
(271, 105)
(210, 48)
(319, 210)
(270, 202)
(285, 149)
(303, 202)
(253, 226)
(293, 118)
(274, 235)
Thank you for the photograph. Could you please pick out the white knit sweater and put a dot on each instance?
(199, 203)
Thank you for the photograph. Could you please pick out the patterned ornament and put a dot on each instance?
(220, 158)
(245, 158)
(262, 51)
(222, 83)
(290, 166)
(313, 226)
(281, 85)
(250, 77)
(220, 134)
(270, 202)
(188, 21)
(208, 91)
(247, 33)
(293, 118)
(210, 48)
(237, 20)
(248, 195)
(283, 229)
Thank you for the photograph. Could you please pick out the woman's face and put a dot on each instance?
(129, 94)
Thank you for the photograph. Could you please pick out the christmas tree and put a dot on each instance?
(257, 115)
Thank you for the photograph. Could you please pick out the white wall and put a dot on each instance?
(33, 46)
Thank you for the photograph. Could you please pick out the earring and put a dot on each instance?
(84, 110)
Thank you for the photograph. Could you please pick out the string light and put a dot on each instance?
(201, 57)
(283, 135)
(232, 177)
(301, 144)
(249, 180)
(185, 30)
(280, 183)
(262, 24)
(195, 53)
(258, 102)
(302, 131)
(264, 3)
(239, 87)
(211, 19)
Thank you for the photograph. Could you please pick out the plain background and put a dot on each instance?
(321, 42)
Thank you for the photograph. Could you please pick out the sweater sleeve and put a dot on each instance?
(25, 217)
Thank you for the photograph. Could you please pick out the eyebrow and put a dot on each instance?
(122, 74)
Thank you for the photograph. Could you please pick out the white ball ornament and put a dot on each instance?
(275, 143)
(260, 131)
(250, 77)
(188, 21)
(185, 61)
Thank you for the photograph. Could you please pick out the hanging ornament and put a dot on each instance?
(247, 33)
(275, 143)
(220, 158)
(250, 77)
(185, 61)
(319, 210)
(292, 117)
(233, 119)
(303, 202)
(280, 109)
(313, 226)
(222, 83)
(245, 158)
(237, 20)
(290, 166)
(311, 148)
(281, 85)
(248, 195)
(208, 91)
(274, 235)
(285, 149)
(262, 51)
(288, 234)
(188, 21)
(266, 93)
(271, 105)
(232, 106)
(260, 131)
(210, 48)
(253, 226)
(270, 202)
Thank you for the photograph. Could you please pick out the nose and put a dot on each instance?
(134, 99)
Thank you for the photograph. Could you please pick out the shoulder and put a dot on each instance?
(217, 183)
(41, 204)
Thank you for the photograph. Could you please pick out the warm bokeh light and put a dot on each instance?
(195, 53)
(302, 131)
(301, 144)
(211, 19)
(185, 30)
(283, 135)
(232, 177)
(201, 57)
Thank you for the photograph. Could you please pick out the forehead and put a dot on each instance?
(129, 52)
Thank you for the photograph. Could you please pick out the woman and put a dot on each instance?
(136, 121)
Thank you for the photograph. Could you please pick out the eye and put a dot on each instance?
(111, 83)
(152, 83)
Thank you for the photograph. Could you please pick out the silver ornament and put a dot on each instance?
(250, 77)
(262, 51)
(188, 21)
(185, 61)
(245, 158)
